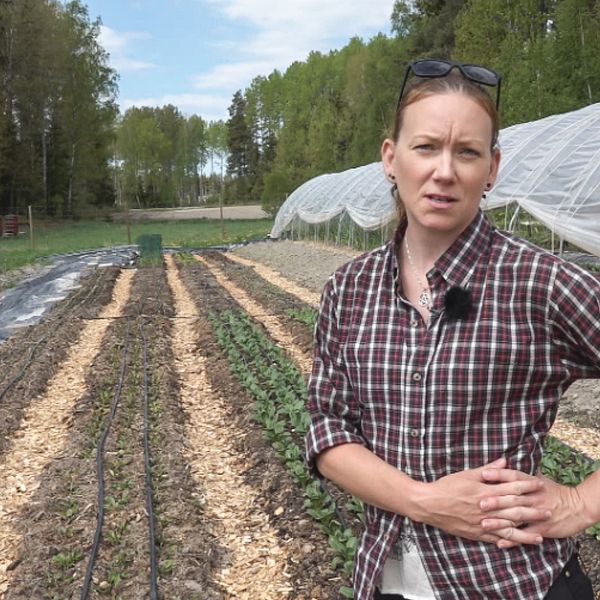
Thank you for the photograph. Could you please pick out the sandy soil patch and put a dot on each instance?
(257, 561)
(249, 211)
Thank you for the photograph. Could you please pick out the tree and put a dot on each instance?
(277, 186)
(404, 18)
(576, 53)
(216, 138)
(264, 118)
(170, 123)
(86, 109)
(196, 154)
(8, 131)
(242, 150)
(57, 108)
(517, 39)
(141, 146)
(428, 25)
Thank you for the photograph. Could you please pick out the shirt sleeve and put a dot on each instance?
(334, 411)
(575, 318)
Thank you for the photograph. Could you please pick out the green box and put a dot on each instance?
(150, 245)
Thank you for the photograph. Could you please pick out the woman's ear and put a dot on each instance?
(495, 166)
(388, 151)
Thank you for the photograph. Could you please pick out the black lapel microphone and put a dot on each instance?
(458, 303)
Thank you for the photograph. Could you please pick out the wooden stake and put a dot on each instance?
(32, 239)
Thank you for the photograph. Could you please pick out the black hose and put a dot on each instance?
(100, 451)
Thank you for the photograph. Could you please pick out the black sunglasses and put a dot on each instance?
(438, 67)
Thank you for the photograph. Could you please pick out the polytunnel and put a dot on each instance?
(550, 167)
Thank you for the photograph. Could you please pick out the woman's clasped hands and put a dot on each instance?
(502, 506)
(560, 509)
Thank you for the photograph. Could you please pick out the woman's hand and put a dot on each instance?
(506, 518)
(454, 504)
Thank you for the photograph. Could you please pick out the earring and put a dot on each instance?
(391, 177)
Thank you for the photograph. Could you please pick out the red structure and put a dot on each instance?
(9, 225)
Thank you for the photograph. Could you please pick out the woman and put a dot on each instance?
(439, 363)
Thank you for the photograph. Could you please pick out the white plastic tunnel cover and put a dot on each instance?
(550, 167)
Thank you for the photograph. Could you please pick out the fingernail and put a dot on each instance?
(539, 540)
(548, 514)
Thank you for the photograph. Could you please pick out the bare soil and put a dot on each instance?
(248, 211)
(57, 526)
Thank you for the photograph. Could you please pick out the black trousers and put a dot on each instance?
(571, 584)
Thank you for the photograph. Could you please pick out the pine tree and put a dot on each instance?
(240, 147)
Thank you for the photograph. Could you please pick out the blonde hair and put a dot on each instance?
(454, 82)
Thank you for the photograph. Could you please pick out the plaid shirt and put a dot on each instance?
(437, 398)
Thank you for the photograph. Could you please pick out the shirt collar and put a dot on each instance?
(458, 263)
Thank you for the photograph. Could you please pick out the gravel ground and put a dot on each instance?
(311, 264)
(308, 264)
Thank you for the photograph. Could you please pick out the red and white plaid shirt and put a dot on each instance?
(453, 394)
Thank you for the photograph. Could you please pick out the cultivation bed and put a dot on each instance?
(230, 521)
(229, 516)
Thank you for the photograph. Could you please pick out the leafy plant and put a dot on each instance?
(280, 395)
(68, 559)
(307, 315)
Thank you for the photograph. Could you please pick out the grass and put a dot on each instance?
(58, 237)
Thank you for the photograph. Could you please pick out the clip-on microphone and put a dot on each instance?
(458, 303)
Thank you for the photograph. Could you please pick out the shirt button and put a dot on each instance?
(417, 376)
(414, 323)
(414, 433)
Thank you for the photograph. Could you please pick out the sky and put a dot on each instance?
(195, 54)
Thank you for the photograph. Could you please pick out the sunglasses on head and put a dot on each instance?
(437, 67)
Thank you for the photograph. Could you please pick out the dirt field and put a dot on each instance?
(143, 346)
(231, 523)
(249, 211)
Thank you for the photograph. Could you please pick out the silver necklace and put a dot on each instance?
(425, 295)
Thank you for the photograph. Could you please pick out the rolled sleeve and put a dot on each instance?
(575, 313)
(334, 412)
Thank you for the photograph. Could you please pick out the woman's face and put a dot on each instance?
(442, 161)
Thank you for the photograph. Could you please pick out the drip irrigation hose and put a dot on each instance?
(100, 451)
(149, 487)
(147, 467)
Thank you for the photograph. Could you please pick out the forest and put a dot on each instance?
(67, 151)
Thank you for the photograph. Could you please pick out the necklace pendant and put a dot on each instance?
(425, 299)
